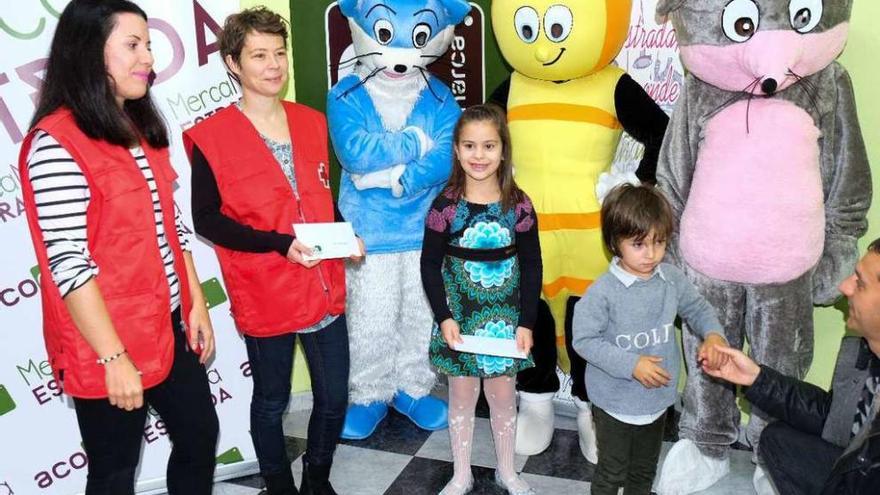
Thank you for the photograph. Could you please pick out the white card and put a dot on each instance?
(490, 346)
(327, 240)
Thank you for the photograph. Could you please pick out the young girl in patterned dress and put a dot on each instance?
(481, 268)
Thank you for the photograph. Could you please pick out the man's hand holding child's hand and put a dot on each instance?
(649, 373)
(709, 356)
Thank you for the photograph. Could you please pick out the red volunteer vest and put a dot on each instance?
(269, 294)
(122, 241)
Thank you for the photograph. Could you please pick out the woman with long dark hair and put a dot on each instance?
(124, 317)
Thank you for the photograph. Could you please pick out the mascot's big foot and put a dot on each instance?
(687, 470)
(586, 431)
(361, 420)
(428, 412)
(534, 423)
(761, 482)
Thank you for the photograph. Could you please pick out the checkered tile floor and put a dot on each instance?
(402, 459)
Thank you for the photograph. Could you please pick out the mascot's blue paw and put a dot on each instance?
(428, 412)
(361, 421)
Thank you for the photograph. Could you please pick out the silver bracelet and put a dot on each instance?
(105, 360)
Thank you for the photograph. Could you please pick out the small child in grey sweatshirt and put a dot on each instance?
(624, 328)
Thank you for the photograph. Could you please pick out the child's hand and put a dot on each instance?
(649, 373)
(524, 339)
(709, 356)
(451, 332)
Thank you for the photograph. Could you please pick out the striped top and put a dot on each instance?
(62, 197)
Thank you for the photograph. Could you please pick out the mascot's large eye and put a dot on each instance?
(740, 20)
(384, 31)
(557, 23)
(421, 35)
(805, 14)
(527, 24)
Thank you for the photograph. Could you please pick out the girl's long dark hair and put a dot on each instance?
(511, 194)
(76, 78)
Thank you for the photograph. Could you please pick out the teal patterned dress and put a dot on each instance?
(470, 276)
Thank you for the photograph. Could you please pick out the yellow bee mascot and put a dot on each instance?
(567, 107)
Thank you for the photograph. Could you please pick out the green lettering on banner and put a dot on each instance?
(174, 104)
(24, 36)
(43, 370)
(41, 24)
(229, 87)
(10, 183)
(192, 103)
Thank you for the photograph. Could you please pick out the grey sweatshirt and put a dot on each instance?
(622, 317)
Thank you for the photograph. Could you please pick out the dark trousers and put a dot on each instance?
(628, 455)
(798, 463)
(112, 436)
(542, 378)
(271, 361)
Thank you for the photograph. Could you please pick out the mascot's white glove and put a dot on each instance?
(620, 173)
(388, 178)
(425, 142)
(396, 186)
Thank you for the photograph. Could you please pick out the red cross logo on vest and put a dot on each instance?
(324, 175)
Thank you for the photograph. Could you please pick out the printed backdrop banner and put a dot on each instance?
(40, 450)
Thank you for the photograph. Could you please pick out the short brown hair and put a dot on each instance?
(634, 211)
(238, 26)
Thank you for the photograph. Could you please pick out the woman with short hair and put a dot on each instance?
(260, 166)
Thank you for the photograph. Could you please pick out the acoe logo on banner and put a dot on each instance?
(61, 469)
(24, 289)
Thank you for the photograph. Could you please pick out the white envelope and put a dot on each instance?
(327, 240)
(490, 346)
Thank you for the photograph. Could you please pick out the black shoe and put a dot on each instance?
(316, 480)
(280, 484)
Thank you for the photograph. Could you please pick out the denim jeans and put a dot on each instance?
(798, 463)
(271, 361)
(112, 437)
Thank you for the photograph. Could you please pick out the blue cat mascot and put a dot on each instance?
(391, 124)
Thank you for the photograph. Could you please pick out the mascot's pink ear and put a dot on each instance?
(457, 9)
(665, 7)
(348, 7)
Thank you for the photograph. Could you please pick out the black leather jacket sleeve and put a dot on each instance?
(856, 477)
(802, 405)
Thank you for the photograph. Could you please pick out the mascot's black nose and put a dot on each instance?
(400, 68)
(768, 86)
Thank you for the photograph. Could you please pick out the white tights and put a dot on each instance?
(501, 395)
